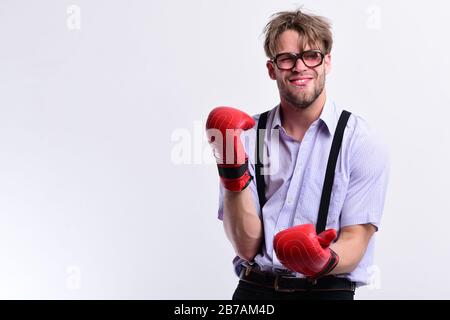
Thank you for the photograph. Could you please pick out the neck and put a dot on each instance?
(296, 121)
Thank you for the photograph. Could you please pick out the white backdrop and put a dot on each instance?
(96, 98)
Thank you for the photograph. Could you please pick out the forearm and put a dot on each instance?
(242, 224)
(351, 246)
(350, 254)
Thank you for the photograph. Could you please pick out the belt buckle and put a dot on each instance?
(277, 287)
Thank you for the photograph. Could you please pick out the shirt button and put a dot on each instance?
(289, 201)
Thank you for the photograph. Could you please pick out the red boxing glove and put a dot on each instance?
(223, 128)
(301, 250)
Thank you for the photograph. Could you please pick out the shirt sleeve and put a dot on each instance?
(369, 173)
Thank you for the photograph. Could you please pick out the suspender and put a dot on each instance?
(329, 175)
(260, 133)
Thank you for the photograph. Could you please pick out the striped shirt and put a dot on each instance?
(294, 178)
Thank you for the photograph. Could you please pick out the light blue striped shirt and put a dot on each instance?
(294, 184)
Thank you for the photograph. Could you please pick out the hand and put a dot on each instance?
(301, 250)
(223, 129)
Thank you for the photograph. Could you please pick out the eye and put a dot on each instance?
(285, 58)
(312, 55)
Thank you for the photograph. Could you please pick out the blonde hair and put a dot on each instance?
(315, 30)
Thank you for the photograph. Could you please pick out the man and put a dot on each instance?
(279, 253)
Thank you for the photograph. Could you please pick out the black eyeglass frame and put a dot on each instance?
(298, 56)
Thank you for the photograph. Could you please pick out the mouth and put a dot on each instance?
(300, 81)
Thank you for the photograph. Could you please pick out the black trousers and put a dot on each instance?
(250, 291)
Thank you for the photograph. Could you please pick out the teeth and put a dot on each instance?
(300, 80)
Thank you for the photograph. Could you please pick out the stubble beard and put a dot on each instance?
(302, 100)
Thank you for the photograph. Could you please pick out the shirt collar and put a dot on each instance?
(276, 123)
(328, 116)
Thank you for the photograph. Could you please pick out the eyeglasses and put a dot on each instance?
(288, 60)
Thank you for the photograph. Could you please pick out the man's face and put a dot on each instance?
(301, 85)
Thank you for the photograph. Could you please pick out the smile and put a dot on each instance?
(300, 82)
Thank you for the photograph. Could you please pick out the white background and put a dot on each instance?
(93, 203)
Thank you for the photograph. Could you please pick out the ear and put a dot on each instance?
(327, 63)
(271, 70)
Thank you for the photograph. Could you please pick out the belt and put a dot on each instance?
(289, 283)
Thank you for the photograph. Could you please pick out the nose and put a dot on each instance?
(299, 66)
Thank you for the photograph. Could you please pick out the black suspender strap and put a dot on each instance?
(260, 134)
(329, 175)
